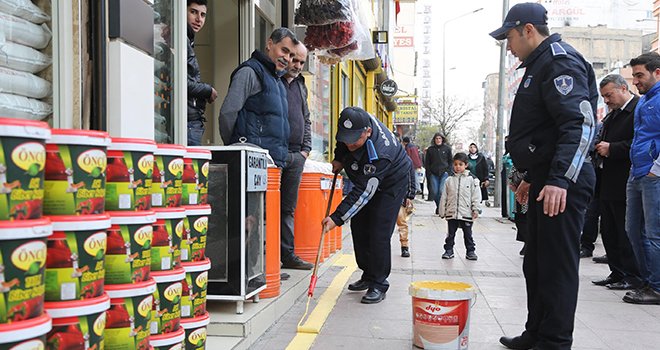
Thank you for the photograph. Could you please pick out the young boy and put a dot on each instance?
(459, 204)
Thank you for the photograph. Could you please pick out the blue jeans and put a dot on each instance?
(438, 185)
(643, 226)
(195, 132)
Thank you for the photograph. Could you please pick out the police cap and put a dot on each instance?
(520, 14)
(353, 121)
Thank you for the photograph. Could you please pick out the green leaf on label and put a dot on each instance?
(33, 269)
(176, 300)
(33, 170)
(147, 244)
(96, 172)
(99, 255)
(149, 173)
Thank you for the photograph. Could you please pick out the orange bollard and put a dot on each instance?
(308, 216)
(272, 234)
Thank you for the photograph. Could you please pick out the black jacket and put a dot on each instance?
(553, 116)
(438, 159)
(481, 171)
(618, 131)
(198, 92)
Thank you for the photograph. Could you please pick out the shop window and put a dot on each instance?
(263, 31)
(163, 71)
(345, 92)
(318, 85)
(360, 92)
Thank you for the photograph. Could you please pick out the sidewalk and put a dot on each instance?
(603, 321)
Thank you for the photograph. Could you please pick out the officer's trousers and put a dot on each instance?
(372, 229)
(551, 263)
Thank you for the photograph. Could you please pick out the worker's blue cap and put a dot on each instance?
(353, 121)
(520, 14)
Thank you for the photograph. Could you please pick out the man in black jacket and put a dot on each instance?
(199, 93)
(438, 163)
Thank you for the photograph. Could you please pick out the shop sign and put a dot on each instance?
(388, 88)
(406, 113)
(257, 172)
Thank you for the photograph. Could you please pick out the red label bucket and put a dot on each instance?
(441, 314)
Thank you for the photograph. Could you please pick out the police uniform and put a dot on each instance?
(550, 135)
(382, 176)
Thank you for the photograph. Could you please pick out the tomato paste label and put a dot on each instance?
(162, 250)
(193, 245)
(167, 185)
(79, 332)
(37, 343)
(22, 263)
(196, 338)
(74, 180)
(203, 175)
(128, 258)
(75, 267)
(127, 323)
(128, 180)
(22, 165)
(441, 323)
(166, 313)
(195, 181)
(177, 346)
(177, 237)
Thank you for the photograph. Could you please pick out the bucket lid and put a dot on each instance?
(79, 137)
(176, 275)
(197, 266)
(198, 153)
(25, 229)
(442, 290)
(196, 322)
(129, 290)
(170, 213)
(124, 144)
(22, 330)
(170, 150)
(132, 217)
(61, 309)
(201, 209)
(80, 222)
(166, 339)
(24, 128)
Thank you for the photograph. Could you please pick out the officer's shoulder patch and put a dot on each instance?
(557, 50)
(564, 84)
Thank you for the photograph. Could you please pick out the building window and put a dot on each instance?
(263, 30)
(163, 71)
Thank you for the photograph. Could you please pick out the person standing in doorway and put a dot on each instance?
(438, 162)
(479, 168)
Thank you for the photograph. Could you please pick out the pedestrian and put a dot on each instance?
(459, 205)
(517, 179)
(300, 144)
(413, 152)
(438, 163)
(255, 109)
(199, 93)
(643, 187)
(478, 167)
(550, 135)
(382, 176)
(403, 218)
(612, 161)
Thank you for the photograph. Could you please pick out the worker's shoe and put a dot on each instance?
(471, 256)
(405, 252)
(520, 342)
(645, 295)
(449, 254)
(297, 264)
(373, 296)
(359, 285)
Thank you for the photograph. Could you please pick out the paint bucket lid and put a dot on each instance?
(197, 266)
(132, 217)
(198, 153)
(129, 290)
(176, 275)
(80, 222)
(196, 322)
(25, 229)
(11, 127)
(170, 150)
(62, 309)
(442, 290)
(202, 209)
(22, 330)
(125, 144)
(79, 137)
(170, 213)
(166, 339)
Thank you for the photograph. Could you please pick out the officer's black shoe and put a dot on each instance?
(600, 259)
(359, 285)
(297, 264)
(520, 342)
(607, 280)
(405, 252)
(373, 296)
(449, 254)
(622, 285)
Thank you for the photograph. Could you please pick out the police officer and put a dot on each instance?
(382, 176)
(551, 130)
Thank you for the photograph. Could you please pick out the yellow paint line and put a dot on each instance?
(325, 304)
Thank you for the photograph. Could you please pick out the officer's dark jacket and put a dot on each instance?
(264, 120)
(552, 120)
(198, 92)
(387, 174)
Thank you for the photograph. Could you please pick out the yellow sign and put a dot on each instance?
(406, 113)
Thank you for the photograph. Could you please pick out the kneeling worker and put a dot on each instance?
(382, 176)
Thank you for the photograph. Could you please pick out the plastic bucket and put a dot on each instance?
(193, 245)
(127, 320)
(77, 324)
(195, 173)
(166, 313)
(167, 185)
(129, 174)
(75, 265)
(168, 341)
(128, 258)
(75, 172)
(193, 300)
(441, 314)
(195, 331)
(22, 163)
(23, 335)
(273, 217)
(23, 256)
(167, 236)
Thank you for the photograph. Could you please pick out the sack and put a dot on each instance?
(24, 32)
(23, 83)
(321, 12)
(23, 58)
(24, 9)
(21, 107)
